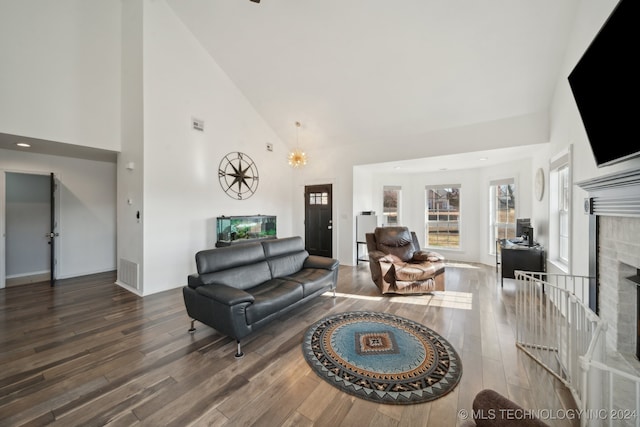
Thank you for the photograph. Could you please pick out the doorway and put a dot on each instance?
(29, 223)
(318, 219)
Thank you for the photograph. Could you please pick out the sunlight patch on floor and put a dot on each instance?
(363, 297)
(452, 299)
(446, 299)
(460, 265)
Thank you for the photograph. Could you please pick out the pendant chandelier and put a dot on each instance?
(297, 158)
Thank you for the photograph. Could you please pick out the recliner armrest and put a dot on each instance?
(424, 255)
(315, 261)
(225, 294)
(376, 255)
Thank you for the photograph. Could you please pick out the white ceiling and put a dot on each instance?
(375, 72)
(368, 74)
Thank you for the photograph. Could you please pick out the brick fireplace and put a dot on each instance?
(614, 235)
(618, 261)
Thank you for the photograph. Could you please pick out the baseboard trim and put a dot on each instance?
(28, 278)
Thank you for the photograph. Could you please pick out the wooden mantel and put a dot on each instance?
(616, 194)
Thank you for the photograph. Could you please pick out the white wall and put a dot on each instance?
(87, 211)
(567, 129)
(127, 76)
(130, 172)
(60, 73)
(182, 194)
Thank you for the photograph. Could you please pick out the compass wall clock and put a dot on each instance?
(238, 175)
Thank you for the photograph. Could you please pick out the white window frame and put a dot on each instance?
(560, 214)
(493, 224)
(398, 189)
(426, 218)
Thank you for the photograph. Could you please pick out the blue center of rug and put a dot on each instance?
(378, 347)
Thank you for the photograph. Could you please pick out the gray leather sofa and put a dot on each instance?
(240, 288)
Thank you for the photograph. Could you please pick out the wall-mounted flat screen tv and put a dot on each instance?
(604, 83)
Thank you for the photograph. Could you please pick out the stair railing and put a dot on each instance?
(557, 329)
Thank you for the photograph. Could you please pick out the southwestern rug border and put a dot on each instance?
(382, 357)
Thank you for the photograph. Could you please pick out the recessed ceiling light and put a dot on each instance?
(483, 158)
(23, 144)
(397, 167)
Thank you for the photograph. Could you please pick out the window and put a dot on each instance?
(563, 213)
(502, 205)
(319, 198)
(443, 216)
(391, 204)
(560, 210)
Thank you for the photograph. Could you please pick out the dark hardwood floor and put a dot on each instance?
(89, 353)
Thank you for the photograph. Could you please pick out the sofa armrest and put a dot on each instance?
(315, 261)
(194, 280)
(225, 294)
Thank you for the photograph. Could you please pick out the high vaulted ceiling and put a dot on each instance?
(376, 72)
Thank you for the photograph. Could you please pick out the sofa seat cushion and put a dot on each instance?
(271, 297)
(312, 279)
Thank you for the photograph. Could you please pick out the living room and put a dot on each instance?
(106, 92)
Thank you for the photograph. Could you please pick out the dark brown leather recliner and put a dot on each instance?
(399, 266)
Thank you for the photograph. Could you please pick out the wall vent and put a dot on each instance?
(128, 273)
(198, 124)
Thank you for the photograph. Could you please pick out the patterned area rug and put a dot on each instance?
(382, 357)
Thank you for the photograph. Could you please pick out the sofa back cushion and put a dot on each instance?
(285, 256)
(242, 277)
(396, 241)
(211, 260)
(240, 266)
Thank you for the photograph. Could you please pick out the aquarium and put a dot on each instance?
(243, 229)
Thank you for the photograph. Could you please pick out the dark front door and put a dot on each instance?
(318, 219)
